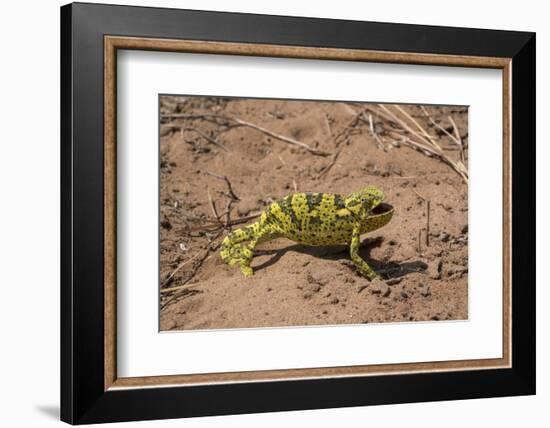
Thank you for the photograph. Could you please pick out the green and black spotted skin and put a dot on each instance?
(312, 219)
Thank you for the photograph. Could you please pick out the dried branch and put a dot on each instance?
(327, 168)
(230, 191)
(438, 126)
(458, 139)
(215, 226)
(428, 223)
(418, 126)
(327, 123)
(177, 288)
(377, 139)
(228, 120)
(202, 134)
(213, 207)
(419, 140)
(171, 276)
(212, 247)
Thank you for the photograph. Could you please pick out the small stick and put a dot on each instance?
(434, 123)
(228, 212)
(281, 159)
(418, 194)
(342, 134)
(426, 144)
(373, 132)
(458, 167)
(413, 120)
(183, 128)
(179, 287)
(229, 187)
(169, 278)
(241, 122)
(327, 168)
(407, 127)
(458, 139)
(295, 186)
(215, 226)
(428, 223)
(282, 138)
(244, 219)
(327, 122)
(213, 207)
(419, 240)
(205, 256)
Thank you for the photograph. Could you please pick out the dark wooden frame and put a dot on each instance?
(90, 35)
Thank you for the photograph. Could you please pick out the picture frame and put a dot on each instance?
(91, 35)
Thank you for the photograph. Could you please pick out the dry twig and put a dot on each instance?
(213, 207)
(228, 120)
(434, 123)
(202, 134)
(327, 168)
(416, 139)
(428, 223)
(458, 139)
(169, 278)
(377, 139)
(212, 247)
(230, 191)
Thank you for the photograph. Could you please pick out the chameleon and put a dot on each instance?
(312, 219)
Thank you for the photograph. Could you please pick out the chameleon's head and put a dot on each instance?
(367, 204)
(365, 200)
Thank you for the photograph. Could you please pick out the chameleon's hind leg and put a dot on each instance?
(361, 264)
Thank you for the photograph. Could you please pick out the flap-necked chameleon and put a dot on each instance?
(312, 219)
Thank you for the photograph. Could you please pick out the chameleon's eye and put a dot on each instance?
(367, 204)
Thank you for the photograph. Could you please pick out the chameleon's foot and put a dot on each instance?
(246, 269)
(364, 269)
(234, 253)
(371, 276)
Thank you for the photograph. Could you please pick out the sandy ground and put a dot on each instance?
(296, 285)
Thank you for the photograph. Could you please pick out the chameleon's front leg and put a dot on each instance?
(247, 251)
(362, 265)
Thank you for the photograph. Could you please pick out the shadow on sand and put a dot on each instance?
(340, 252)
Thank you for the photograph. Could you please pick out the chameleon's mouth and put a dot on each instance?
(382, 208)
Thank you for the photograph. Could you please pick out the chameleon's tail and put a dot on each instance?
(234, 249)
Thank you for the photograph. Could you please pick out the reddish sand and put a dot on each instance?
(293, 284)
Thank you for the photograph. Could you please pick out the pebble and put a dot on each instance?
(380, 287)
(361, 288)
(313, 280)
(434, 269)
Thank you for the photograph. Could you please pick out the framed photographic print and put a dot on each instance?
(265, 213)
